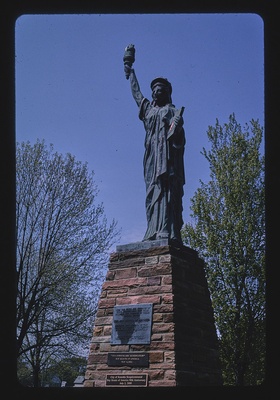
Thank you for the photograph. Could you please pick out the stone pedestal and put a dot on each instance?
(183, 349)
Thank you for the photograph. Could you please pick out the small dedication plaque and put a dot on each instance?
(132, 324)
(133, 359)
(126, 379)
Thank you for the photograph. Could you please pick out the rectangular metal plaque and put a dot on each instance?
(132, 324)
(132, 359)
(126, 379)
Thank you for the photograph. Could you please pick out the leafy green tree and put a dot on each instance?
(228, 231)
(66, 369)
(62, 249)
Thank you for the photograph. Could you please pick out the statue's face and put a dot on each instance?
(161, 95)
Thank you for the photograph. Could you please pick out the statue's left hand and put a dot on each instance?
(178, 120)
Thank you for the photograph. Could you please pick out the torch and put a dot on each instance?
(129, 56)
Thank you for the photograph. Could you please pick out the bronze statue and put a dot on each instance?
(164, 156)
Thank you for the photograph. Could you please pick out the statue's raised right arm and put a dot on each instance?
(129, 58)
(135, 88)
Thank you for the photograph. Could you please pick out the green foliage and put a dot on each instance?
(57, 371)
(229, 234)
(66, 369)
(62, 249)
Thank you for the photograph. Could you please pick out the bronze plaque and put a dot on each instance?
(132, 324)
(126, 379)
(132, 359)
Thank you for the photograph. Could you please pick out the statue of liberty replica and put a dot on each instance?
(163, 158)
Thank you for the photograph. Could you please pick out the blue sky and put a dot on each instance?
(72, 92)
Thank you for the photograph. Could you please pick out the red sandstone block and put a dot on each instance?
(97, 375)
(124, 282)
(97, 358)
(105, 303)
(108, 311)
(93, 347)
(120, 347)
(156, 375)
(168, 317)
(157, 317)
(139, 347)
(105, 347)
(103, 367)
(107, 330)
(138, 300)
(117, 292)
(167, 280)
(167, 298)
(163, 308)
(162, 345)
(157, 337)
(155, 270)
(151, 260)
(156, 357)
(98, 330)
(100, 313)
(154, 280)
(170, 374)
(134, 254)
(166, 288)
(163, 327)
(165, 258)
(126, 273)
(101, 339)
(144, 290)
(169, 357)
(126, 263)
(103, 321)
(168, 337)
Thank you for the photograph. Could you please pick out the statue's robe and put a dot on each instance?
(163, 172)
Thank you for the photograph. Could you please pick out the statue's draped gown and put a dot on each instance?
(163, 172)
